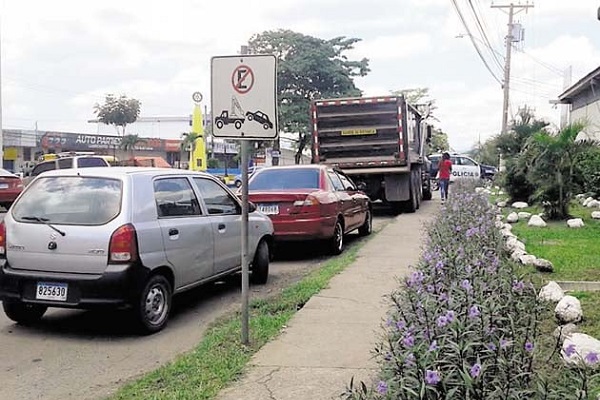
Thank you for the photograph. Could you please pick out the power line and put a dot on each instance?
(484, 34)
(462, 19)
(548, 66)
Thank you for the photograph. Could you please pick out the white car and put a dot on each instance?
(463, 167)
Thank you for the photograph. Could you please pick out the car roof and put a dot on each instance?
(297, 166)
(121, 172)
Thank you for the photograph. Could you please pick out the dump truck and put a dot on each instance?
(380, 142)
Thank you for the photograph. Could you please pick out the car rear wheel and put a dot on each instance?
(250, 117)
(23, 313)
(260, 264)
(266, 126)
(154, 304)
(238, 124)
(336, 243)
(366, 228)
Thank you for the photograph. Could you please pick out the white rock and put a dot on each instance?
(520, 204)
(497, 187)
(499, 217)
(580, 196)
(501, 203)
(499, 224)
(507, 233)
(568, 310)
(582, 345)
(512, 217)
(563, 331)
(508, 227)
(543, 265)
(512, 244)
(479, 190)
(524, 214)
(516, 254)
(587, 200)
(527, 259)
(596, 214)
(501, 192)
(593, 204)
(575, 223)
(551, 292)
(536, 220)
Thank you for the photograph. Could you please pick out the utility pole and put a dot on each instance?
(512, 10)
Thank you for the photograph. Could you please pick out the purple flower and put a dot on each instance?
(442, 321)
(382, 387)
(591, 358)
(529, 347)
(408, 341)
(444, 297)
(433, 346)
(458, 228)
(416, 278)
(439, 265)
(474, 312)
(570, 350)
(491, 346)
(466, 284)
(475, 370)
(504, 343)
(450, 315)
(432, 377)
(518, 286)
(430, 288)
(472, 232)
(400, 325)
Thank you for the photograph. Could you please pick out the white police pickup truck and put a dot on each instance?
(462, 166)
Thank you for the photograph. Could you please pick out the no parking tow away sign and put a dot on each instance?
(244, 96)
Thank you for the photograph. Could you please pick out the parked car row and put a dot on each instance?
(130, 237)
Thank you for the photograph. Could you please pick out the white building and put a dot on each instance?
(583, 99)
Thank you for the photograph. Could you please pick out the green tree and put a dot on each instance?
(129, 142)
(309, 68)
(420, 98)
(552, 160)
(439, 141)
(188, 143)
(118, 111)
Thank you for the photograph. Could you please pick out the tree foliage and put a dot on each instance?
(118, 111)
(309, 68)
(552, 160)
(128, 143)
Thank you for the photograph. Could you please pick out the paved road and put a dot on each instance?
(73, 354)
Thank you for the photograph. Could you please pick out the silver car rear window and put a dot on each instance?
(70, 200)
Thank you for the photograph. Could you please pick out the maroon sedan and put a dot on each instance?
(10, 187)
(307, 202)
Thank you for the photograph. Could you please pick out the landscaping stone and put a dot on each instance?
(512, 217)
(527, 259)
(507, 233)
(501, 192)
(501, 203)
(499, 224)
(587, 200)
(582, 345)
(580, 196)
(512, 244)
(563, 331)
(543, 265)
(596, 215)
(575, 223)
(568, 310)
(508, 227)
(524, 214)
(593, 204)
(499, 217)
(536, 220)
(516, 254)
(551, 292)
(520, 204)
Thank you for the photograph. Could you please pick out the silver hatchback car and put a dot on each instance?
(123, 237)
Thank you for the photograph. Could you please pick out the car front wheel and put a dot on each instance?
(260, 264)
(154, 304)
(23, 313)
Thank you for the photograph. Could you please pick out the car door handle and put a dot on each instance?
(221, 227)
(173, 232)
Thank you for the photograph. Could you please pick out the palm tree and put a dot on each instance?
(129, 142)
(189, 142)
(552, 160)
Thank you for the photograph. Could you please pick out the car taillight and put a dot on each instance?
(310, 204)
(2, 239)
(123, 245)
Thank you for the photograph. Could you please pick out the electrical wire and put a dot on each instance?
(465, 25)
(548, 66)
(484, 35)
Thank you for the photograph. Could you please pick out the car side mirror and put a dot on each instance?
(251, 207)
(362, 186)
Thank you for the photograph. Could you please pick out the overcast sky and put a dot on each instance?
(61, 57)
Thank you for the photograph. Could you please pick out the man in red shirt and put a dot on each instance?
(444, 171)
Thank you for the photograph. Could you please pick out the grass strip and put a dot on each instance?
(220, 357)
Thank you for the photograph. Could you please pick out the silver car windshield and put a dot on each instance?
(70, 200)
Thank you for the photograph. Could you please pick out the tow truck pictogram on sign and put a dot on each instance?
(242, 79)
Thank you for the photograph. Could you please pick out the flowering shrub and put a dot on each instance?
(464, 324)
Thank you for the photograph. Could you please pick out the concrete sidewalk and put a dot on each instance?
(332, 338)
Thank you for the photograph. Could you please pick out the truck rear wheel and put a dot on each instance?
(411, 205)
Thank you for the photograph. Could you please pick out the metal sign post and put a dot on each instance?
(244, 107)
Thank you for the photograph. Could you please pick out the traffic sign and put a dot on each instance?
(244, 97)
